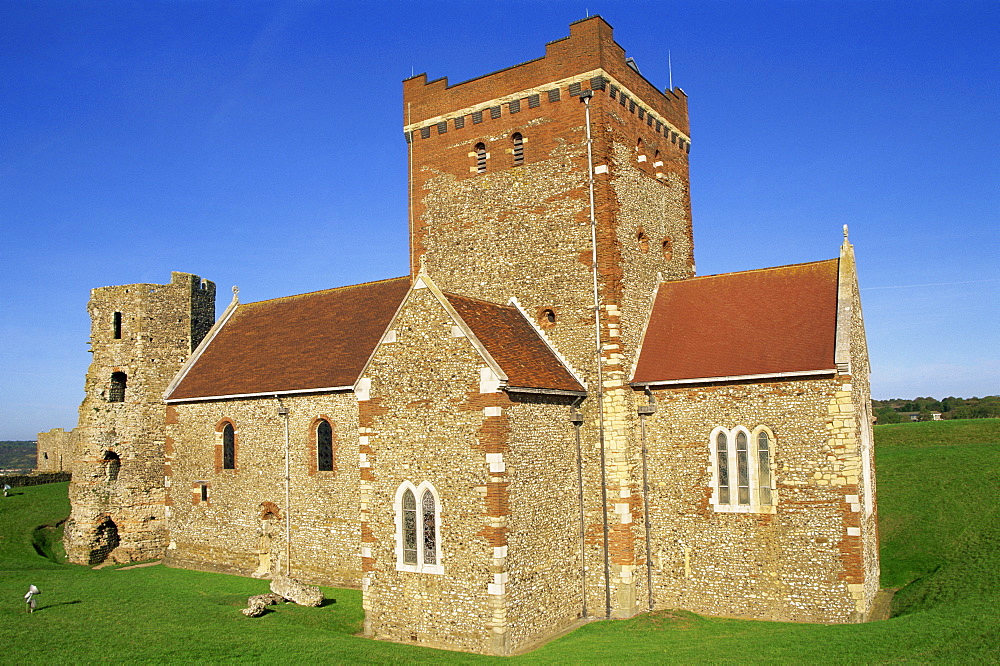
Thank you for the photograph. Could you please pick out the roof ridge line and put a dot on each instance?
(749, 270)
(323, 291)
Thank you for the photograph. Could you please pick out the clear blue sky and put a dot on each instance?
(260, 144)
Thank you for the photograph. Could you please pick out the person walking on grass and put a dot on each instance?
(6, 490)
(29, 598)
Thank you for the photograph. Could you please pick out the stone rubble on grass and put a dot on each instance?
(293, 590)
(256, 605)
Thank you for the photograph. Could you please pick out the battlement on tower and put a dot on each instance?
(590, 52)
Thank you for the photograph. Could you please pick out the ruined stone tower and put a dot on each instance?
(502, 205)
(141, 334)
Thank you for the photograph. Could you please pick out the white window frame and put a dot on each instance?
(755, 505)
(418, 493)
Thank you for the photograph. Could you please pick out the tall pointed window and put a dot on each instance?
(116, 393)
(324, 446)
(418, 519)
(409, 527)
(518, 142)
(742, 458)
(228, 447)
(764, 467)
(722, 462)
(480, 151)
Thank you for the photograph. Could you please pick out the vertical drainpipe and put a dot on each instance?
(585, 97)
(644, 411)
(577, 419)
(283, 411)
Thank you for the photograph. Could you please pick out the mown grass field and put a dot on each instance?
(939, 502)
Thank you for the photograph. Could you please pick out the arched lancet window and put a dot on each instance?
(518, 142)
(742, 468)
(640, 150)
(324, 446)
(722, 465)
(480, 157)
(429, 528)
(228, 447)
(112, 465)
(117, 391)
(418, 546)
(409, 527)
(745, 457)
(764, 467)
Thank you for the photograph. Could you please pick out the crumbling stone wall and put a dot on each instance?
(242, 526)
(141, 334)
(56, 450)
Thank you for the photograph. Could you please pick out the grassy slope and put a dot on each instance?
(938, 484)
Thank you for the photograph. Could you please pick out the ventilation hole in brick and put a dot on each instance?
(534, 101)
(425, 132)
(494, 112)
(460, 122)
(442, 127)
(480, 158)
(477, 117)
(554, 95)
(597, 83)
(515, 106)
(574, 88)
(613, 92)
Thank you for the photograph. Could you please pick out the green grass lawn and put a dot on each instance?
(939, 493)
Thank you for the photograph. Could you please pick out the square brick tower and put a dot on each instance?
(512, 194)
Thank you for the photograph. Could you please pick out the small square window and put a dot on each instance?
(460, 122)
(554, 95)
(534, 101)
(515, 106)
(442, 127)
(574, 88)
(477, 117)
(425, 132)
(494, 112)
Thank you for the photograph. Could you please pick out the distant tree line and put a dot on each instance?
(896, 410)
(17, 455)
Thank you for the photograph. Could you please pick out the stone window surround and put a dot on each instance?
(397, 507)
(734, 507)
(314, 447)
(219, 453)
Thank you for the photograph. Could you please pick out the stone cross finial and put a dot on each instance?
(845, 233)
(423, 264)
(236, 294)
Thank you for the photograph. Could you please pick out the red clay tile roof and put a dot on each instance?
(773, 320)
(515, 345)
(317, 340)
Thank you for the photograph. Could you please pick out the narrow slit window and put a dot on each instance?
(324, 446)
(204, 492)
(742, 468)
(409, 527)
(764, 467)
(228, 447)
(480, 158)
(722, 460)
(518, 148)
(118, 325)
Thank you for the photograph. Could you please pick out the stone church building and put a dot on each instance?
(550, 419)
